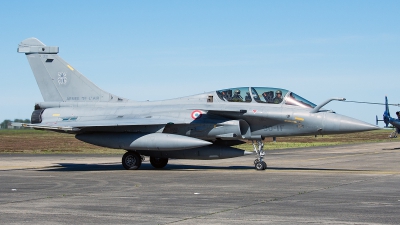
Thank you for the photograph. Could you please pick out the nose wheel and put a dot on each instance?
(259, 163)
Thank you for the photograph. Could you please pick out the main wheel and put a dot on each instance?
(131, 160)
(158, 162)
(260, 166)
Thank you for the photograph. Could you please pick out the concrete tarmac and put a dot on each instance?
(353, 184)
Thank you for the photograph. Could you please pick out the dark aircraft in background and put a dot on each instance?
(387, 119)
(203, 126)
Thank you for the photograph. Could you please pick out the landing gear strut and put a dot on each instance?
(258, 148)
(393, 134)
(131, 160)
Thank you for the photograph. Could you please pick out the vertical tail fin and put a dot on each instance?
(57, 80)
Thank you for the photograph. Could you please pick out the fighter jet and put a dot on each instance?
(203, 126)
(387, 119)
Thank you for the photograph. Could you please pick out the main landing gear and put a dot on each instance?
(158, 163)
(133, 160)
(259, 164)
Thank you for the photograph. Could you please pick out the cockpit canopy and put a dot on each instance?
(263, 95)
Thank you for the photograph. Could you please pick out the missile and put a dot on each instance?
(142, 141)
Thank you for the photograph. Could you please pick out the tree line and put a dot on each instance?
(6, 123)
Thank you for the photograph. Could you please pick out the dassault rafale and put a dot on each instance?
(204, 126)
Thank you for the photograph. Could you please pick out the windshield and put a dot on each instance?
(293, 99)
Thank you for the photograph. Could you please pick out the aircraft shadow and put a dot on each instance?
(176, 167)
(315, 169)
(390, 148)
(145, 166)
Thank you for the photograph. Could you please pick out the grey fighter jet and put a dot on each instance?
(203, 126)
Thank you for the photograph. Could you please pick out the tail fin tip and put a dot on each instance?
(33, 45)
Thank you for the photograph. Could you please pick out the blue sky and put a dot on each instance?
(153, 50)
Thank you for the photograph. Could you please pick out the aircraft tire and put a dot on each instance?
(260, 166)
(264, 164)
(131, 160)
(158, 162)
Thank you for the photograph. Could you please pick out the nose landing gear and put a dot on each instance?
(259, 164)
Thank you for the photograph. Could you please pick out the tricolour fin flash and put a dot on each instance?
(57, 80)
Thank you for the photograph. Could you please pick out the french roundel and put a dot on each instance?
(196, 114)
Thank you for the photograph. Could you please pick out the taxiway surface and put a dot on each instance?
(334, 185)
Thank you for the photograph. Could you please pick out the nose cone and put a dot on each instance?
(338, 124)
(353, 125)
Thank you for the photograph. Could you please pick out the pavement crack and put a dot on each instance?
(42, 198)
(276, 199)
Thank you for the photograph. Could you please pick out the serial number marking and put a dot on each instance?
(274, 128)
(84, 98)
